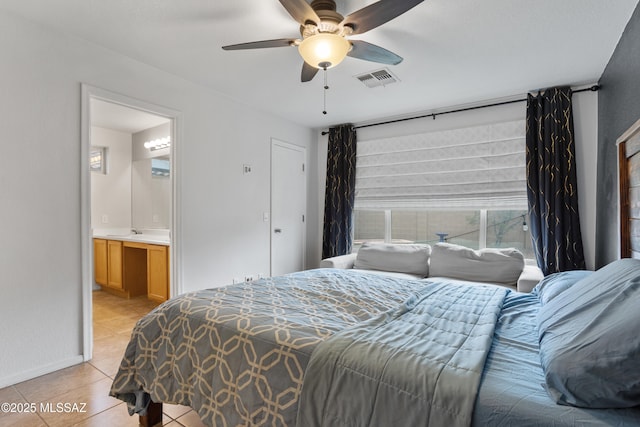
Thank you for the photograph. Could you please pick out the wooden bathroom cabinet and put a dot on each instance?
(130, 269)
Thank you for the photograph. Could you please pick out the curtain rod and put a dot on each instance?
(593, 88)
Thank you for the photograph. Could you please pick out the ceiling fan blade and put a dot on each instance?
(378, 13)
(301, 11)
(371, 52)
(261, 44)
(308, 72)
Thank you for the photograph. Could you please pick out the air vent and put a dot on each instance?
(377, 78)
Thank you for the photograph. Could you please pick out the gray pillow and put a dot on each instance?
(401, 258)
(500, 266)
(589, 340)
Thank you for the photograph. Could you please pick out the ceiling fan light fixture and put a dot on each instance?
(324, 49)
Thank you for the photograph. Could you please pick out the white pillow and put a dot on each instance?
(409, 258)
(501, 266)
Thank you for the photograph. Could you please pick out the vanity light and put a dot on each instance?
(158, 144)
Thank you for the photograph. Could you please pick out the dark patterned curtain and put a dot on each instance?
(340, 191)
(551, 182)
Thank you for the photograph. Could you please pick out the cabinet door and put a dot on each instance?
(100, 261)
(114, 250)
(157, 273)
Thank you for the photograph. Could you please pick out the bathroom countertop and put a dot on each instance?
(152, 237)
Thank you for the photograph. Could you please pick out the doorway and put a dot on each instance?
(128, 182)
(288, 207)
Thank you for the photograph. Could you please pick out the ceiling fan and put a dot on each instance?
(324, 32)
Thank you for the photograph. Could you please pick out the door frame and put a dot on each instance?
(88, 93)
(303, 150)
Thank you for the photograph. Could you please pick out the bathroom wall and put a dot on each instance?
(111, 192)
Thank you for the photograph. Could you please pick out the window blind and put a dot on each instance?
(479, 167)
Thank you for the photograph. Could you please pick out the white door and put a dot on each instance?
(288, 207)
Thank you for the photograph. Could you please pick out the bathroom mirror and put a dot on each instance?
(150, 195)
(150, 180)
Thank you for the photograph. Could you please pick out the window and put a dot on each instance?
(160, 168)
(464, 186)
(98, 160)
(473, 229)
(369, 226)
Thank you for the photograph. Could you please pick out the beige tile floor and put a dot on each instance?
(113, 319)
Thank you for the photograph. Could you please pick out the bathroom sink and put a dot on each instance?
(148, 238)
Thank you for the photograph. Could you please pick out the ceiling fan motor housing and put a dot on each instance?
(326, 6)
(329, 19)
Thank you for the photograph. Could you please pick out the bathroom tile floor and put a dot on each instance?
(89, 382)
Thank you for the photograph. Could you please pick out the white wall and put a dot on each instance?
(585, 124)
(111, 200)
(223, 233)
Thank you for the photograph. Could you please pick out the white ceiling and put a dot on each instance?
(125, 119)
(455, 52)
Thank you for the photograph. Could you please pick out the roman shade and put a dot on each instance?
(479, 167)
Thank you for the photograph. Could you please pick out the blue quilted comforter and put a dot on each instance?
(419, 364)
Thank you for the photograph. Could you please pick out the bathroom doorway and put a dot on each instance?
(130, 163)
(128, 200)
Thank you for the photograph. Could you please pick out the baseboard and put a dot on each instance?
(42, 370)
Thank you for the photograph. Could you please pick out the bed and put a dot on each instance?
(249, 354)
(332, 347)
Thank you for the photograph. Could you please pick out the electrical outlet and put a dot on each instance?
(248, 278)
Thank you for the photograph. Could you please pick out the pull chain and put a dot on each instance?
(324, 66)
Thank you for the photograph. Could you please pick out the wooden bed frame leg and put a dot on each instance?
(154, 415)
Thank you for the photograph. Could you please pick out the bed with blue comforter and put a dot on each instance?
(333, 347)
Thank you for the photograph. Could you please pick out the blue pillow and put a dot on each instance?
(589, 339)
(554, 284)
